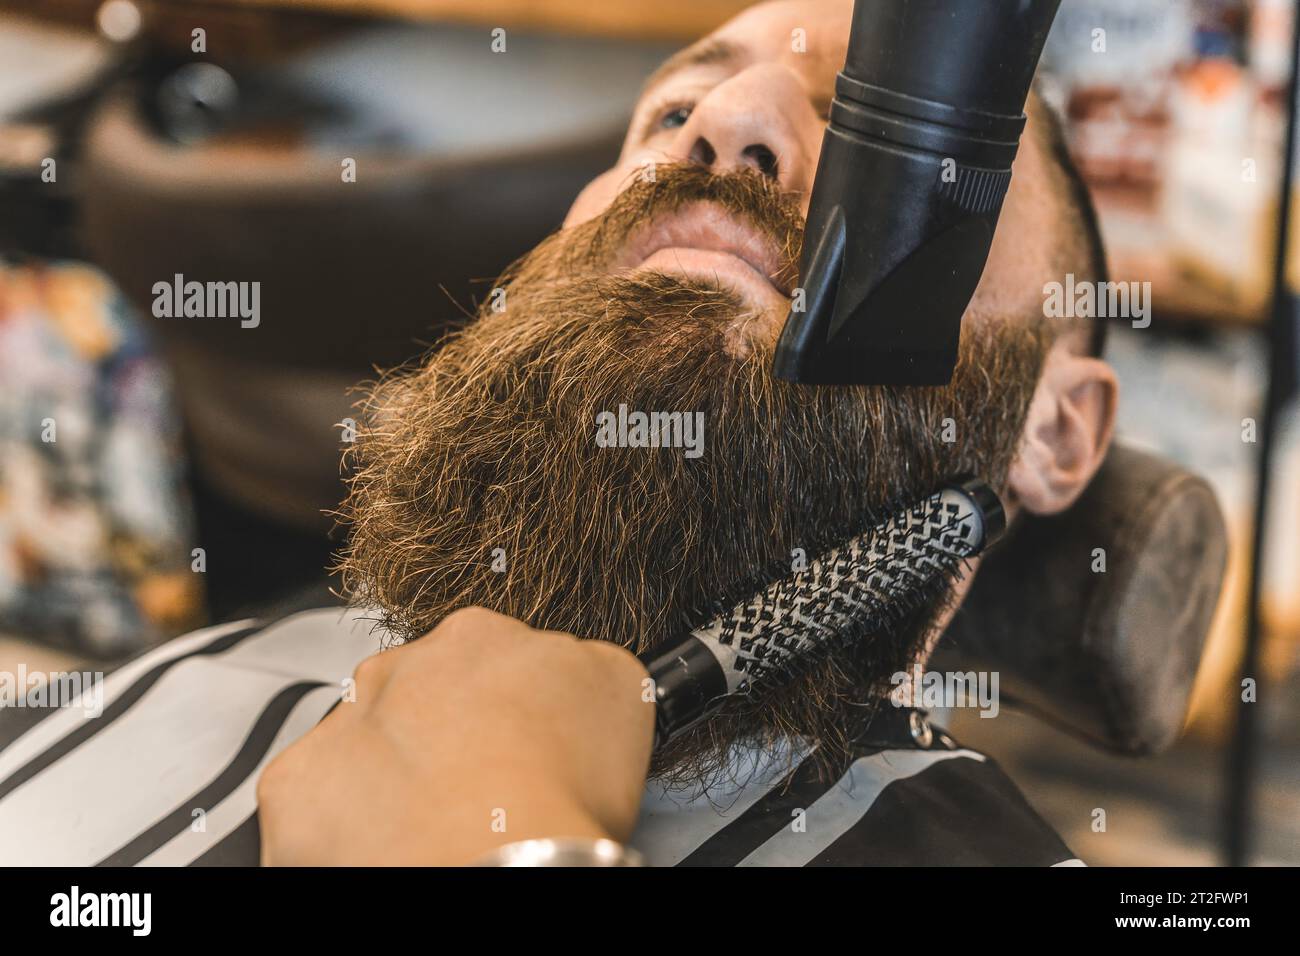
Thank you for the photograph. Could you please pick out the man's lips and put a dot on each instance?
(704, 240)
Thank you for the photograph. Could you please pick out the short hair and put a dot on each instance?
(1082, 246)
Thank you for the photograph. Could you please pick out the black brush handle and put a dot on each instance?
(865, 586)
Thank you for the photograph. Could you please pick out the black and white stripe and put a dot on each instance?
(185, 728)
(189, 726)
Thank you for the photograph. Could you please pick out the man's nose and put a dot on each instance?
(759, 119)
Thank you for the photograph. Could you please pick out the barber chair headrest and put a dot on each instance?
(1107, 655)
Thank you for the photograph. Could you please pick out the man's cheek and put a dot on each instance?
(595, 198)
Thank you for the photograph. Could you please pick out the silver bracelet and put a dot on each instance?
(563, 852)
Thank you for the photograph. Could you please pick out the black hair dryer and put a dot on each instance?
(916, 161)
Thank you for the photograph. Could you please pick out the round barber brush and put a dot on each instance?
(866, 586)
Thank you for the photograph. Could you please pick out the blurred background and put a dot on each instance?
(156, 474)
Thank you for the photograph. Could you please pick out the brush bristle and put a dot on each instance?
(869, 585)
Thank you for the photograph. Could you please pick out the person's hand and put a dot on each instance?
(481, 733)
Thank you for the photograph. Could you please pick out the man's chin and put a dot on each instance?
(762, 308)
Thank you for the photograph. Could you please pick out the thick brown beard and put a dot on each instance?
(491, 444)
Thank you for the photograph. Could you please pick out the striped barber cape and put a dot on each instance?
(166, 774)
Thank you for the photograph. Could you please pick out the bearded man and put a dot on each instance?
(514, 560)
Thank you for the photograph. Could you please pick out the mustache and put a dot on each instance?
(746, 195)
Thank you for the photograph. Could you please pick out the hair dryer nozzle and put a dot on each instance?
(914, 167)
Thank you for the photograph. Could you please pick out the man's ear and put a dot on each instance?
(1067, 434)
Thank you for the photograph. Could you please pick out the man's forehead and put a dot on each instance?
(810, 36)
(712, 50)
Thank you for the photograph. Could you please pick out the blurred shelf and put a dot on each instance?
(266, 29)
(660, 19)
(1183, 297)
